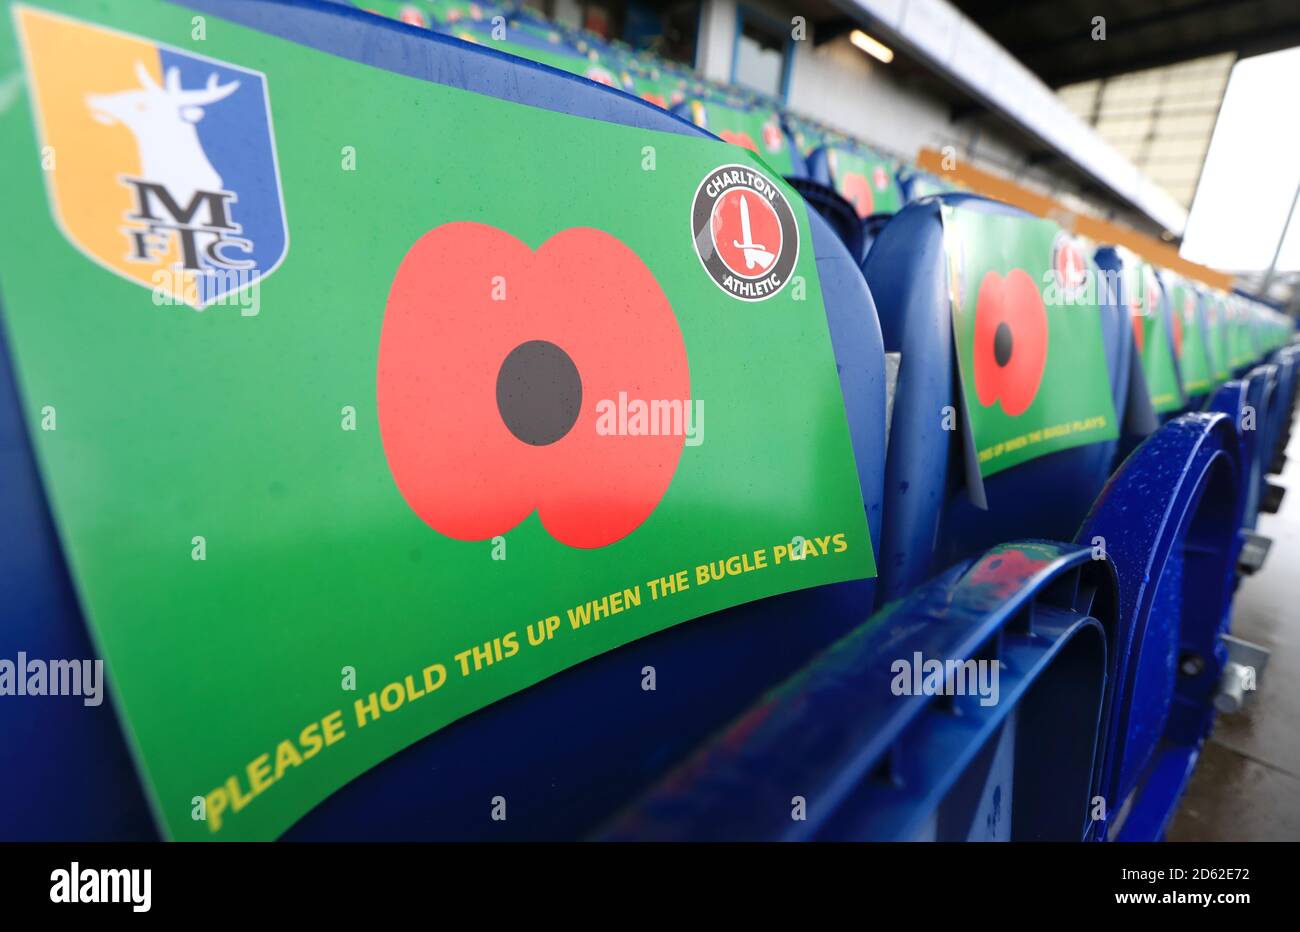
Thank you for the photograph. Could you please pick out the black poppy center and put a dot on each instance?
(539, 392)
(1002, 344)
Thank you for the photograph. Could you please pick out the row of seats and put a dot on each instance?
(860, 179)
(852, 183)
(1098, 577)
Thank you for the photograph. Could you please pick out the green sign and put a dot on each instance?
(1154, 344)
(756, 130)
(1027, 324)
(808, 135)
(446, 439)
(1190, 343)
(1218, 326)
(1241, 335)
(865, 180)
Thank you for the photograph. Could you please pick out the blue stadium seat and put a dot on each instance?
(871, 228)
(68, 763)
(930, 521)
(1147, 582)
(836, 211)
(864, 177)
(72, 765)
(872, 192)
(1279, 428)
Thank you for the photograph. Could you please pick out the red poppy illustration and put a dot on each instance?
(1010, 351)
(493, 359)
(857, 191)
(738, 139)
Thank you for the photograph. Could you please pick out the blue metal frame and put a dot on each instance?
(1169, 519)
(871, 764)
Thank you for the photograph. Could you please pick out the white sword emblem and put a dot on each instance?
(755, 253)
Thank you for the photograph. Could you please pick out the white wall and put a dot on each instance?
(568, 12)
(717, 39)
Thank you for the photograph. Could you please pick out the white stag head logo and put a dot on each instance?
(163, 119)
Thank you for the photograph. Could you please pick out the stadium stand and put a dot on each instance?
(1097, 576)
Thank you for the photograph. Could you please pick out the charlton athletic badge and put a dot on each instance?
(745, 232)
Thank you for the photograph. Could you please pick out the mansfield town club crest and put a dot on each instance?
(160, 164)
(745, 232)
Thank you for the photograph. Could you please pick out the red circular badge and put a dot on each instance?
(1068, 263)
(744, 231)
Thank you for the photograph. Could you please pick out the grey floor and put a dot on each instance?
(1247, 784)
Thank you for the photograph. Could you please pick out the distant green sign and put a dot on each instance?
(753, 129)
(1190, 338)
(866, 181)
(1028, 329)
(1219, 330)
(1151, 336)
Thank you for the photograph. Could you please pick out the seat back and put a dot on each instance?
(864, 178)
(595, 733)
(1215, 308)
(1156, 335)
(871, 228)
(1191, 338)
(758, 129)
(931, 519)
(1280, 410)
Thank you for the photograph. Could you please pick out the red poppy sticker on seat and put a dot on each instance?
(857, 191)
(492, 360)
(1031, 356)
(1010, 341)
